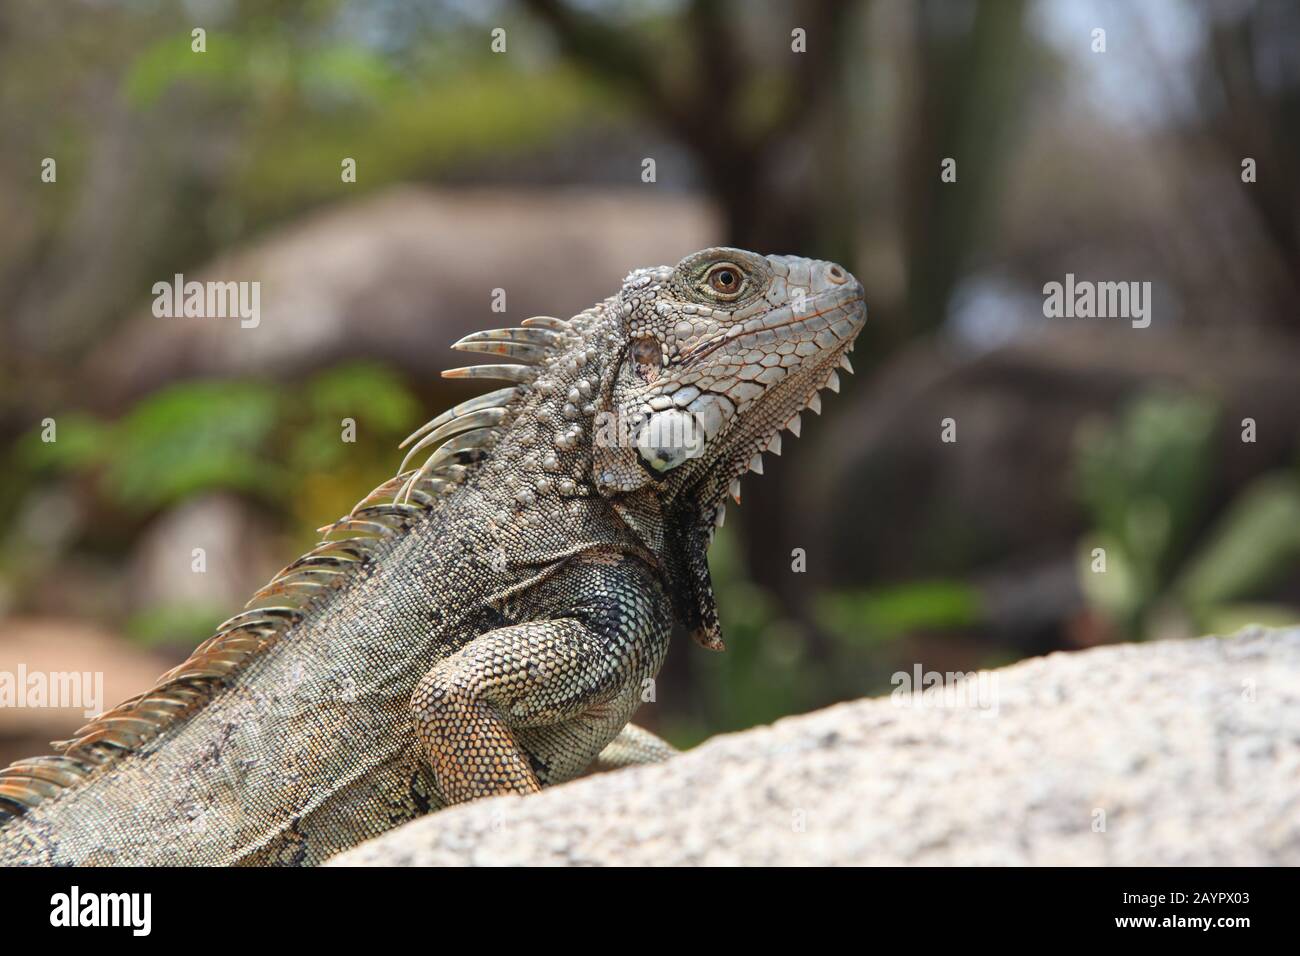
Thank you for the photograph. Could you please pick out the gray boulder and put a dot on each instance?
(1171, 753)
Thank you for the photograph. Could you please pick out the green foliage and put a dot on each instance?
(261, 67)
(767, 669)
(282, 445)
(337, 394)
(772, 667)
(347, 99)
(486, 112)
(183, 625)
(1249, 548)
(202, 436)
(179, 441)
(884, 614)
(171, 61)
(80, 441)
(191, 438)
(1143, 481)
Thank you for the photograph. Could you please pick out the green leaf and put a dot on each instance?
(80, 442)
(172, 60)
(364, 391)
(1250, 547)
(350, 70)
(174, 624)
(191, 438)
(1143, 477)
(375, 398)
(887, 613)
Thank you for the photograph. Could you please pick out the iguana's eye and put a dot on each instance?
(647, 357)
(725, 279)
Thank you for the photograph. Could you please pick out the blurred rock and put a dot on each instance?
(52, 645)
(235, 547)
(1184, 751)
(400, 275)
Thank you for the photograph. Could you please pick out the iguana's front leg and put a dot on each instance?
(532, 704)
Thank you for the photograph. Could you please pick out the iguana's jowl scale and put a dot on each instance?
(486, 621)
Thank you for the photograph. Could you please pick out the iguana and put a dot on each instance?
(486, 621)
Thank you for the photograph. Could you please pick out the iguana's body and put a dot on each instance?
(490, 631)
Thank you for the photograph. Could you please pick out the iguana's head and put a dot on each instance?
(719, 354)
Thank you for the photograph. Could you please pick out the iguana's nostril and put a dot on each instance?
(836, 275)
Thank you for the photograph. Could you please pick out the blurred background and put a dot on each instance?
(522, 170)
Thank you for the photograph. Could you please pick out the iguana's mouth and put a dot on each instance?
(739, 332)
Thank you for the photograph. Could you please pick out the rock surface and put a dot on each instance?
(1173, 753)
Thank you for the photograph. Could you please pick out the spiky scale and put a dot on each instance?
(547, 322)
(260, 615)
(541, 337)
(464, 442)
(523, 351)
(493, 399)
(19, 793)
(501, 373)
(54, 770)
(480, 418)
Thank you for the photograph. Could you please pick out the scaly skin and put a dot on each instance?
(491, 630)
